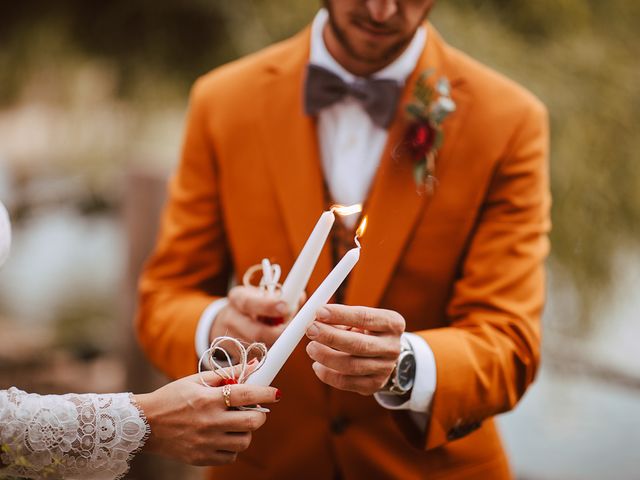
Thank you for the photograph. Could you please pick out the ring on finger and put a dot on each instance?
(226, 395)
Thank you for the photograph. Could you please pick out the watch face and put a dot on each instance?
(406, 371)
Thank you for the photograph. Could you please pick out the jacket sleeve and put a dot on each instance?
(190, 265)
(489, 353)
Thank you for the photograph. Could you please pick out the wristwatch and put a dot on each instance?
(403, 375)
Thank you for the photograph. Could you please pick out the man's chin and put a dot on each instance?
(372, 56)
(377, 52)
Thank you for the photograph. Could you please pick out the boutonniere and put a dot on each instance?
(430, 106)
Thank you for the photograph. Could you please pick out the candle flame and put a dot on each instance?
(347, 210)
(362, 227)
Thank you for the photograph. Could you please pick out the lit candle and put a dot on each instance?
(291, 336)
(298, 277)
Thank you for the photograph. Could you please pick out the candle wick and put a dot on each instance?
(356, 239)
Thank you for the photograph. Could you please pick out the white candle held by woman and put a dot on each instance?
(298, 277)
(291, 336)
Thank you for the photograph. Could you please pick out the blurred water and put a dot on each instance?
(60, 259)
(573, 426)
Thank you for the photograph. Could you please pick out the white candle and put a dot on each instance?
(298, 277)
(291, 336)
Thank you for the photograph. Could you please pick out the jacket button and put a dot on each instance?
(339, 424)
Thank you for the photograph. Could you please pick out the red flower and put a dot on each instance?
(421, 137)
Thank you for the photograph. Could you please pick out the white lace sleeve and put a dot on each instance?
(69, 436)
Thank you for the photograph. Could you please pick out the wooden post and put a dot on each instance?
(144, 196)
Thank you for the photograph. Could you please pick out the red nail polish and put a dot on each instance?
(271, 321)
(229, 381)
(278, 394)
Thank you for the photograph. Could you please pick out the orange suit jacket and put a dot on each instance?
(463, 266)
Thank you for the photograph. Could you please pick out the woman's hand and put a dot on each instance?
(191, 423)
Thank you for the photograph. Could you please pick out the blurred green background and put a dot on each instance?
(93, 91)
(578, 56)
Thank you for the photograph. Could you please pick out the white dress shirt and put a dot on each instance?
(351, 147)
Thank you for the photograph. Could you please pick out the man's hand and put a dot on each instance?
(355, 348)
(252, 315)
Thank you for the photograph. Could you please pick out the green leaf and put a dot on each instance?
(419, 172)
(415, 111)
(439, 140)
(423, 93)
(425, 74)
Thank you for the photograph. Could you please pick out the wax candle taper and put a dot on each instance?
(291, 336)
(298, 277)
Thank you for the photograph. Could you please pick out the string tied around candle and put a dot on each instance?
(218, 359)
(269, 281)
(268, 284)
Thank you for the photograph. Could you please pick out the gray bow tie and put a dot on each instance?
(323, 88)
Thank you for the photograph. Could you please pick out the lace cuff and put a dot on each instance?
(69, 436)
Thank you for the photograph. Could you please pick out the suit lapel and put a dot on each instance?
(291, 146)
(394, 204)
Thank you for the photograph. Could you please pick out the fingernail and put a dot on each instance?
(271, 321)
(282, 308)
(278, 394)
(253, 361)
(322, 313)
(312, 331)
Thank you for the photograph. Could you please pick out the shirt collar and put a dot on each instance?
(398, 70)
